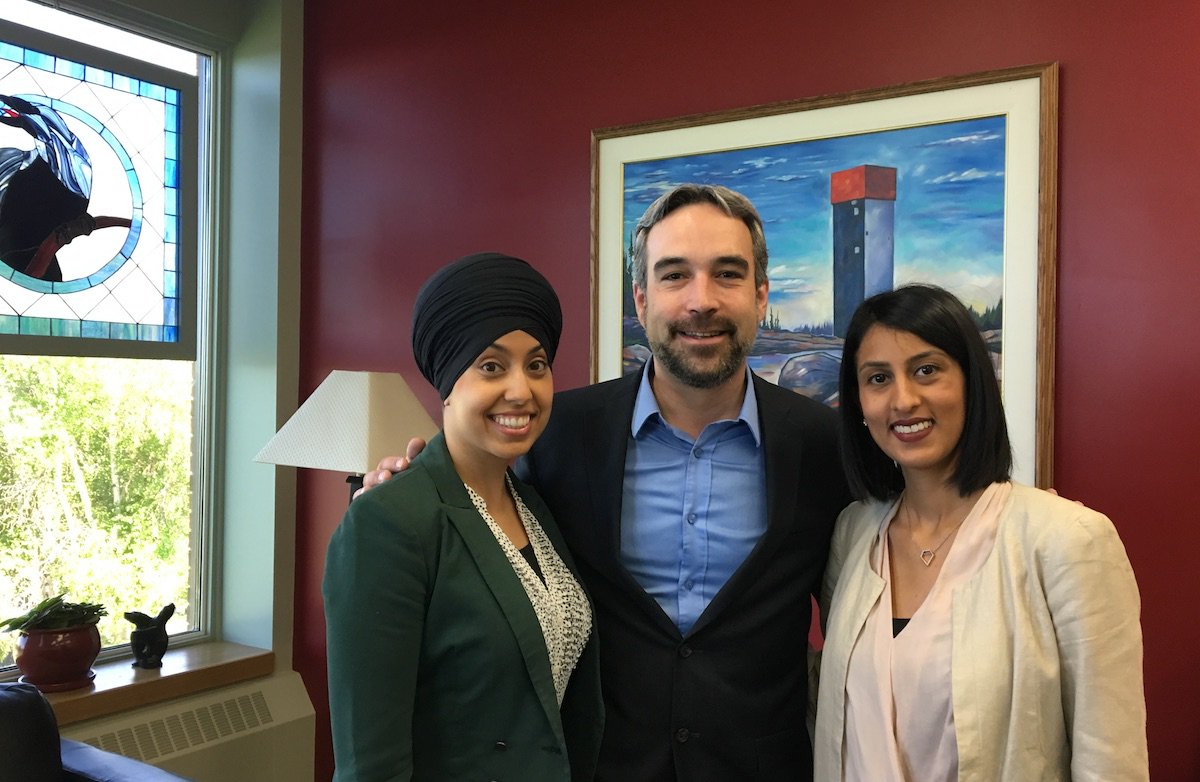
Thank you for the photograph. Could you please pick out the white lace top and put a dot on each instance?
(562, 608)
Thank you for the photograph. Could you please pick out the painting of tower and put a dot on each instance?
(863, 199)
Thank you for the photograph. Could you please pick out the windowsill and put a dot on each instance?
(186, 671)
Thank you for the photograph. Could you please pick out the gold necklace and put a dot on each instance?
(927, 554)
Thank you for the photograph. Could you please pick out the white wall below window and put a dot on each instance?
(256, 731)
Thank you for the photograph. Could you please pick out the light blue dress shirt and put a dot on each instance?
(691, 510)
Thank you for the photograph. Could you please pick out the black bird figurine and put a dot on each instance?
(149, 640)
(44, 192)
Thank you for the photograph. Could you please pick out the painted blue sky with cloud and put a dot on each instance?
(949, 206)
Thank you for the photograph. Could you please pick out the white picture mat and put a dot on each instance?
(1018, 100)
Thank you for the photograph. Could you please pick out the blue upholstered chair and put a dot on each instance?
(32, 751)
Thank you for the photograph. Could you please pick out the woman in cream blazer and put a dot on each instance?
(1047, 651)
(976, 629)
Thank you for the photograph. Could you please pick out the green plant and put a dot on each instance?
(55, 613)
(95, 486)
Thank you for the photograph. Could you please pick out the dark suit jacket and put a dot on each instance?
(728, 700)
(437, 665)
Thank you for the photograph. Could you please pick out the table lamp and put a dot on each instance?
(349, 423)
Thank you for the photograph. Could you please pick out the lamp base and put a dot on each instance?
(356, 483)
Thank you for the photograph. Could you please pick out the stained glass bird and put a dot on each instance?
(44, 191)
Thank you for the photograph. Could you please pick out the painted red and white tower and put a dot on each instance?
(864, 220)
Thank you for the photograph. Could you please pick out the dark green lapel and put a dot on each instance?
(497, 573)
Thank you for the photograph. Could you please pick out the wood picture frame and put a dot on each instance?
(972, 165)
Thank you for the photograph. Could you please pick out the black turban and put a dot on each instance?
(469, 304)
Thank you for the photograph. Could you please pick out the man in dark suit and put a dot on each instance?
(698, 500)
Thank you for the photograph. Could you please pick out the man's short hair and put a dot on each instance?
(728, 201)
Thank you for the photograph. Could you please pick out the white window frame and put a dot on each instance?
(198, 306)
(257, 52)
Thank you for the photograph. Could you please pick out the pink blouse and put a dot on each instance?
(899, 706)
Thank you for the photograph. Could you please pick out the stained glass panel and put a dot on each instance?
(89, 204)
(104, 447)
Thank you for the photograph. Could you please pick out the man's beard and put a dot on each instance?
(682, 366)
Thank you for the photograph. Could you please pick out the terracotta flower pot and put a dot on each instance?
(57, 660)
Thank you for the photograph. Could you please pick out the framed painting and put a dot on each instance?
(951, 181)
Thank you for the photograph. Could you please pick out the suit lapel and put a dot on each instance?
(606, 479)
(497, 572)
(606, 466)
(782, 457)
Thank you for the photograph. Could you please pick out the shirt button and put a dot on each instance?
(501, 746)
(696, 452)
(682, 735)
(687, 584)
(691, 518)
(685, 651)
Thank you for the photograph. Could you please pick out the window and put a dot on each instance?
(105, 362)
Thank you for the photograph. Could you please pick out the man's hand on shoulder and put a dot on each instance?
(390, 465)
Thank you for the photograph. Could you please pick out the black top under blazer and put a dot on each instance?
(727, 701)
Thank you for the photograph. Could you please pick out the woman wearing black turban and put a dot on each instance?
(460, 640)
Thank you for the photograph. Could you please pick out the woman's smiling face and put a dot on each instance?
(913, 399)
(500, 404)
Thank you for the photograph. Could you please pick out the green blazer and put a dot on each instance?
(437, 666)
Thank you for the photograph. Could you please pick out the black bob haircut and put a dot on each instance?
(984, 454)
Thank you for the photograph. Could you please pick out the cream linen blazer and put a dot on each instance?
(1047, 657)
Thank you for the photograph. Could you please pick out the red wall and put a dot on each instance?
(437, 129)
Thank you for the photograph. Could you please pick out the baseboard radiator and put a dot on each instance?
(259, 731)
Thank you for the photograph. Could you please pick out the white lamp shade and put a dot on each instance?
(349, 423)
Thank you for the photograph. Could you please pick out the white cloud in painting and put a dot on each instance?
(765, 162)
(800, 291)
(647, 191)
(970, 138)
(970, 175)
(977, 288)
(782, 282)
